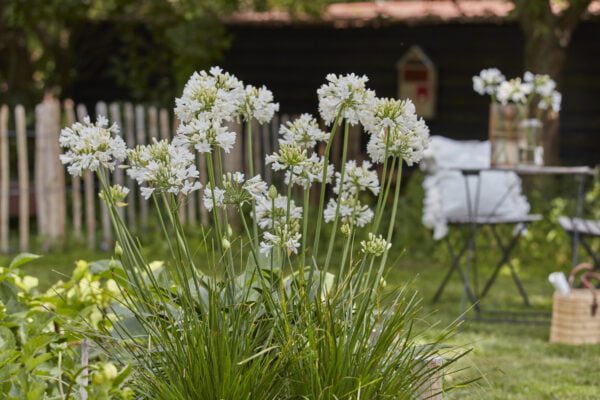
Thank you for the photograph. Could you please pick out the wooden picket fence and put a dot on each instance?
(36, 192)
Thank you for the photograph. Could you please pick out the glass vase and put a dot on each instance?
(531, 149)
(504, 127)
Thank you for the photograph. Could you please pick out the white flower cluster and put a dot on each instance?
(488, 81)
(351, 211)
(163, 167)
(345, 96)
(210, 100)
(375, 246)
(309, 172)
(258, 103)
(396, 130)
(544, 87)
(513, 91)
(358, 178)
(280, 222)
(214, 95)
(303, 131)
(535, 89)
(234, 190)
(297, 156)
(91, 146)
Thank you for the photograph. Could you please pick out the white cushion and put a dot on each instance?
(500, 193)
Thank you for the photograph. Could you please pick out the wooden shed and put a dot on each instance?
(291, 56)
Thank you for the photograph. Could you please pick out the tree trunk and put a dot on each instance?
(544, 54)
(547, 37)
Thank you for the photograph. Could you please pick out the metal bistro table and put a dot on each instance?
(474, 222)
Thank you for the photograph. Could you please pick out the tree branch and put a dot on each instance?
(569, 19)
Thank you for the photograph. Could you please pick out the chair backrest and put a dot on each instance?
(491, 194)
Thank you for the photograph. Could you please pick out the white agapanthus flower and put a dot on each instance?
(409, 144)
(345, 94)
(376, 245)
(258, 104)
(358, 178)
(514, 91)
(219, 198)
(204, 135)
(255, 187)
(390, 114)
(273, 213)
(234, 190)
(303, 131)
(309, 172)
(287, 157)
(351, 211)
(91, 146)
(117, 194)
(214, 95)
(487, 81)
(284, 238)
(163, 167)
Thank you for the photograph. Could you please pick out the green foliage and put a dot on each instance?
(40, 335)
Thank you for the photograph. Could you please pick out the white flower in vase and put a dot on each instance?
(487, 81)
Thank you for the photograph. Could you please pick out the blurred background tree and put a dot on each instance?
(142, 49)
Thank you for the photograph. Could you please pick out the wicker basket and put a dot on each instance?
(574, 316)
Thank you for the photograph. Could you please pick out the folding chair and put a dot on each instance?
(581, 231)
(506, 246)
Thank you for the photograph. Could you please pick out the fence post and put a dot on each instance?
(130, 140)
(140, 125)
(115, 117)
(23, 173)
(101, 109)
(164, 124)
(49, 173)
(88, 192)
(4, 179)
(75, 180)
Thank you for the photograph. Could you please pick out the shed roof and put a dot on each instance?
(408, 11)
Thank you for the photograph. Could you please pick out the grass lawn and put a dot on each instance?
(514, 361)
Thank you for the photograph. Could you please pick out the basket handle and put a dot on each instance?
(579, 268)
(585, 280)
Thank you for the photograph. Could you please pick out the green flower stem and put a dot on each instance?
(386, 191)
(379, 208)
(250, 162)
(393, 218)
(305, 215)
(215, 210)
(324, 185)
(345, 253)
(341, 186)
(225, 226)
(250, 238)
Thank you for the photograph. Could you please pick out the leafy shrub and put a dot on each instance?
(42, 335)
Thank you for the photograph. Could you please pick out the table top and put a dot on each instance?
(533, 170)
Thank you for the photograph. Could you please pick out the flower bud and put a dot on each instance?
(118, 250)
(226, 243)
(272, 192)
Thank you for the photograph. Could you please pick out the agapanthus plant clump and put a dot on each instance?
(263, 311)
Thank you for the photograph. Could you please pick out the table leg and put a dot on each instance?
(578, 213)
